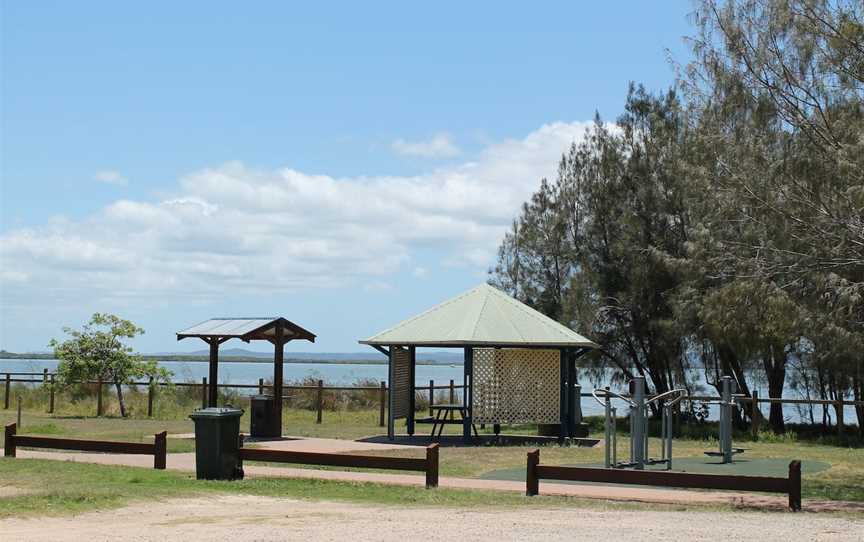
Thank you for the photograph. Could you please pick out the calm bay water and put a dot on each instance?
(344, 374)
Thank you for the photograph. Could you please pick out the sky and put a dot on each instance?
(344, 165)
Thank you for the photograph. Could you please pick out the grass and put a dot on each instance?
(843, 481)
(73, 488)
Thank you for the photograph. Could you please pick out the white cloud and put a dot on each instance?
(233, 227)
(440, 146)
(419, 272)
(110, 176)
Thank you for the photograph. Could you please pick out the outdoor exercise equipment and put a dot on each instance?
(638, 424)
(727, 400)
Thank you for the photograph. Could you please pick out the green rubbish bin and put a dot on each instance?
(217, 443)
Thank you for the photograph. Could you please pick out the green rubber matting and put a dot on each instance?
(702, 465)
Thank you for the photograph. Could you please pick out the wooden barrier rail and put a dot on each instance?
(427, 465)
(158, 449)
(791, 485)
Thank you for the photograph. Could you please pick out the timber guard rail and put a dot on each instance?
(427, 465)
(158, 449)
(790, 486)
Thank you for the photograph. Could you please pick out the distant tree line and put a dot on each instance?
(717, 228)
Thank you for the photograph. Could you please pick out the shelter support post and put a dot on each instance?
(412, 398)
(391, 397)
(467, 394)
(574, 396)
(278, 353)
(214, 372)
(564, 399)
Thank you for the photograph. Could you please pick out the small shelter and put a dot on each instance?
(276, 330)
(520, 365)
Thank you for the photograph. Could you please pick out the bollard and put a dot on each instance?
(532, 483)
(382, 393)
(320, 400)
(150, 391)
(51, 396)
(9, 440)
(754, 415)
(432, 465)
(431, 396)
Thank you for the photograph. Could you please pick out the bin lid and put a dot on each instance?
(216, 412)
(262, 398)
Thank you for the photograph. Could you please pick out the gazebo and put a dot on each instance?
(520, 365)
(276, 330)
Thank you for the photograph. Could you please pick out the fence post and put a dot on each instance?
(260, 386)
(6, 396)
(532, 484)
(452, 393)
(19, 411)
(99, 397)
(44, 376)
(160, 450)
(840, 421)
(51, 396)
(204, 392)
(150, 390)
(432, 465)
(382, 392)
(754, 415)
(795, 485)
(9, 440)
(320, 400)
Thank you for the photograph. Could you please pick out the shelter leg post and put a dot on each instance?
(382, 394)
(278, 358)
(466, 395)
(214, 372)
(412, 397)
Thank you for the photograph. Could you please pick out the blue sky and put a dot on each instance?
(344, 165)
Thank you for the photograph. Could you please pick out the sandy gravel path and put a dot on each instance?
(248, 518)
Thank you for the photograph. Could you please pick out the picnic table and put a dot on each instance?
(444, 414)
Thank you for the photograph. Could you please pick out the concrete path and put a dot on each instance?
(185, 462)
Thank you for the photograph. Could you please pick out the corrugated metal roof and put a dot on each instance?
(263, 328)
(227, 327)
(482, 316)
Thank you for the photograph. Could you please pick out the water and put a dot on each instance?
(344, 374)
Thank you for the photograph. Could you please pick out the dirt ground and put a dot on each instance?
(248, 518)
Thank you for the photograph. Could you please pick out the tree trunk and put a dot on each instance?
(119, 389)
(775, 371)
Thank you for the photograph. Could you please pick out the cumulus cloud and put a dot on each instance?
(258, 230)
(110, 176)
(440, 146)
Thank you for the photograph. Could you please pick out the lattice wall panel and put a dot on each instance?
(514, 385)
(400, 387)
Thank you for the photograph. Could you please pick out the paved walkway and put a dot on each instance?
(185, 462)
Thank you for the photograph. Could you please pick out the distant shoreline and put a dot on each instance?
(236, 359)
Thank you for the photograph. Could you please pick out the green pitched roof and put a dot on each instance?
(482, 316)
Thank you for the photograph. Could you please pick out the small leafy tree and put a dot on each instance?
(97, 352)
